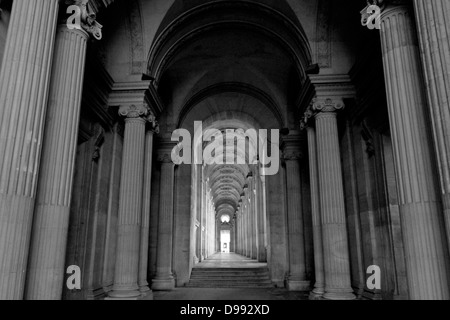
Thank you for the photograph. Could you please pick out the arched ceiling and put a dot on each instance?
(233, 65)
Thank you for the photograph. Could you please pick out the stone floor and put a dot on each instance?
(230, 260)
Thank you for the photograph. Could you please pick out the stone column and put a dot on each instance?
(261, 256)
(253, 220)
(433, 30)
(297, 270)
(51, 217)
(24, 84)
(239, 220)
(130, 204)
(319, 286)
(152, 128)
(198, 197)
(244, 225)
(164, 280)
(332, 204)
(420, 207)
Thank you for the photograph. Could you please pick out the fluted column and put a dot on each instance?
(51, 216)
(24, 84)
(198, 198)
(260, 218)
(130, 204)
(319, 286)
(297, 269)
(433, 30)
(253, 220)
(427, 261)
(164, 280)
(152, 128)
(332, 204)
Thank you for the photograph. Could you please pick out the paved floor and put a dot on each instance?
(230, 260)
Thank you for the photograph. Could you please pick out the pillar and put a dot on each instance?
(332, 205)
(130, 204)
(297, 271)
(164, 280)
(51, 216)
(152, 128)
(253, 219)
(24, 84)
(433, 30)
(261, 246)
(319, 286)
(426, 252)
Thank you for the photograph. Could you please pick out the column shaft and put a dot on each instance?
(164, 280)
(260, 217)
(433, 30)
(24, 83)
(420, 208)
(146, 207)
(51, 217)
(126, 274)
(297, 269)
(334, 228)
(319, 286)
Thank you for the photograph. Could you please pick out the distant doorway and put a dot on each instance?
(225, 241)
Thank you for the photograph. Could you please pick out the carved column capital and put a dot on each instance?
(327, 105)
(307, 120)
(153, 124)
(87, 19)
(134, 111)
(375, 10)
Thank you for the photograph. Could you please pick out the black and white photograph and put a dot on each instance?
(225, 158)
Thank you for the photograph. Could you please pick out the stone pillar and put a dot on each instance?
(198, 198)
(152, 128)
(130, 204)
(253, 219)
(51, 217)
(332, 204)
(420, 207)
(164, 280)
(24, 85)
(261, 256)
(319, 286)
(297, 270)
(433, 30)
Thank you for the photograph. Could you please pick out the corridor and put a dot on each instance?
(230, 277)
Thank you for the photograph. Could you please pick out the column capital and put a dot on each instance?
(327, 105)
(88, 20)
(134, 111)
(378, 9)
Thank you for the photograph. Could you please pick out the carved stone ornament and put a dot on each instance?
(87, 20)
(327, 105)
(134, 112)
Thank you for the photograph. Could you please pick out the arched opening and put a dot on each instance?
(234, 67)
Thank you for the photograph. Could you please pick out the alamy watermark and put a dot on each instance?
(371, 17)
(253, 147)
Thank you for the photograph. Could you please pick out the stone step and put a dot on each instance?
(230, 278)
(204, 284)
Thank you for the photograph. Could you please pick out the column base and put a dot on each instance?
(146, 292)
(163, 284)
(339, 295)
(298, 285)
(316, 295)
(124, 294)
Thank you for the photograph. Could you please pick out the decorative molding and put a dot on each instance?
(134, 111)
(88, 18)
(327, 105)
